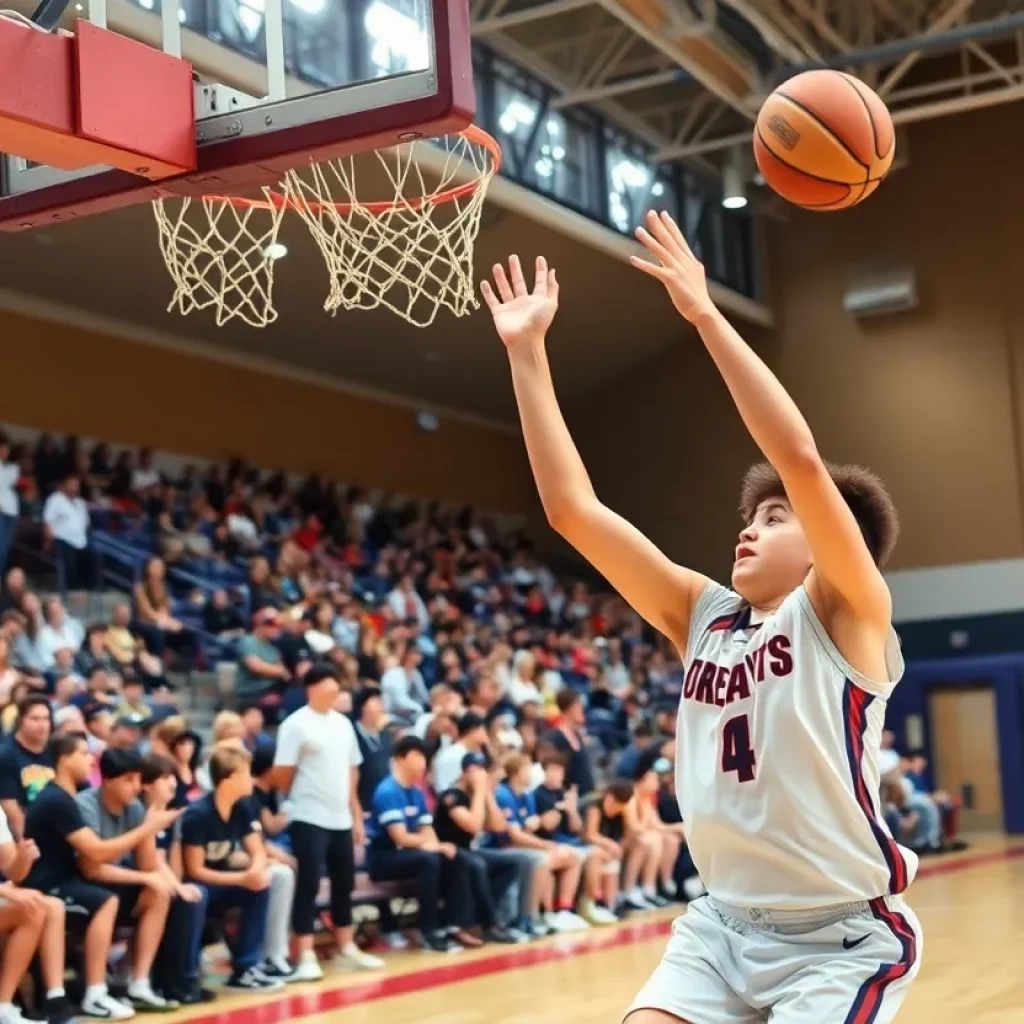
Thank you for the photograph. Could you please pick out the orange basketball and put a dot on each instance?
(824, 140)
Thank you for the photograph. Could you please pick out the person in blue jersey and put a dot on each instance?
(557, 864)
(403, 845)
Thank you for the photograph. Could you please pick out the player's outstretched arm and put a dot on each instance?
(842, 562)
(661, 591)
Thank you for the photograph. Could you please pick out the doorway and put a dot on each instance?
(965, 743)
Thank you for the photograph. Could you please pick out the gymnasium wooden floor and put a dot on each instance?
(971, 906)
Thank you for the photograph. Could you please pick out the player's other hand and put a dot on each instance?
(521, 316)
(676, 268)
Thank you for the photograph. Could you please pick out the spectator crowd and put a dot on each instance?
(418, 711)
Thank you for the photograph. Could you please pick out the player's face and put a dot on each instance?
(772, 555)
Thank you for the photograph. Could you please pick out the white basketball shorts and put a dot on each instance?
(841, 965)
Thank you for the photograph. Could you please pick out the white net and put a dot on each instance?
(221, 255)
(413, 254)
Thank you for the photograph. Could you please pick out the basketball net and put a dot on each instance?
(412, 254)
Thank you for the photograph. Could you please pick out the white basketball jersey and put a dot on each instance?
(776, 760)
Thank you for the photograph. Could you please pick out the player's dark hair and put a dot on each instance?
(861, 489)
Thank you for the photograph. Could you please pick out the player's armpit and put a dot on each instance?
(662, 592)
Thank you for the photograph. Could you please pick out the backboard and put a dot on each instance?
(279, 84)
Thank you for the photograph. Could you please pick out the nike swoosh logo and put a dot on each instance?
(851, 943)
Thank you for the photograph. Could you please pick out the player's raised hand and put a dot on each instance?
(677, 268)
(519, 314)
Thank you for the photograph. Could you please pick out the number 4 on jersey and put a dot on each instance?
(737, 753)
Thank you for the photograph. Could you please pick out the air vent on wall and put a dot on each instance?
(878, 291)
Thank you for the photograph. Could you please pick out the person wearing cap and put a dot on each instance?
(261, 669)
(404, 846)
(67, 847)
(316, 766)
(133, 697)
(143, 893)
(463, 813)
(448, 761)
(126, 732)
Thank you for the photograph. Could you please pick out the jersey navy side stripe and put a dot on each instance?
(869, 997)
(855, 706)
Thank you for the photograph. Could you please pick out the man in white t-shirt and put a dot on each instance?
(66, 520)
(317, 767)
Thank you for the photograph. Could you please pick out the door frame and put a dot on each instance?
(1005, 674)
(986, 686)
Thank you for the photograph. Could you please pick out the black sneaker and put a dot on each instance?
(439, 942)
(194, 995)
(503, 935)
(277, 970)
(59, 1010)
(252, 980)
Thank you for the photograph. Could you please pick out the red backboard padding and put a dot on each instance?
(136, 99)
(75, 101)
(37, 114)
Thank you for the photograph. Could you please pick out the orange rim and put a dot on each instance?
(472, 134)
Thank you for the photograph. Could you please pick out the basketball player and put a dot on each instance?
(786, 684)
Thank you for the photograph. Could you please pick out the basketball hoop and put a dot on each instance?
(411, 254)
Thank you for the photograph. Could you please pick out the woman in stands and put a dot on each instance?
(154, 619)
(784, 699)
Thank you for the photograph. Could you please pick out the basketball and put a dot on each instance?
(824, 140)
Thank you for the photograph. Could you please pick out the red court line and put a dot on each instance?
(951, 867)
(445, 970)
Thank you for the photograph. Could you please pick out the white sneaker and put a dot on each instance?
(103, 1006)
(693, 888)
(396, 941)
(142, 997)
(353, 958)
(11, 1014)
(596, 914)
(572, 922)
(634, 899)
(671, 889)
(308, 968)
